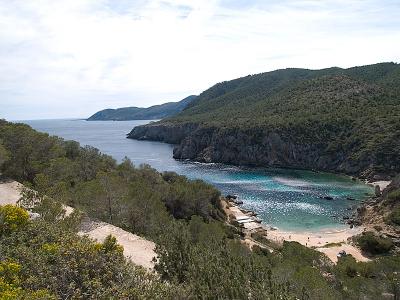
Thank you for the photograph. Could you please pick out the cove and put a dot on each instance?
(289, 199)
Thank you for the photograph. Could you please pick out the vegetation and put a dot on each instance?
(12, 218)
(44, 261)
(373, 244)
(137, 113)
(394, 196)
(351, 117)
(394, 217)
(199, 257)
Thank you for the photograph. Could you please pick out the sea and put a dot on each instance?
(289, 199)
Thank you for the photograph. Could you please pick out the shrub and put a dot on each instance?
(394, 196)
(394, 217)
(12, 218)
(373, 244)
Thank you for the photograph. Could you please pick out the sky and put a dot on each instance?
(71, 58)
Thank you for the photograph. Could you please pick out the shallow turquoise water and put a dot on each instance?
(287, 199)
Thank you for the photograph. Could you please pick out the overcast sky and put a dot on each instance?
(71, 58)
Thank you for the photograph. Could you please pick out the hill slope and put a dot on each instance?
(138, 113)
(342, 120)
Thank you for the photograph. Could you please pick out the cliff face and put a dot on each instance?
(252, 147)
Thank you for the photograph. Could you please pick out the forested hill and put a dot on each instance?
(139, 113)
(344, 120)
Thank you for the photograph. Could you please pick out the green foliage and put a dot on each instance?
(187, 198)
(373, 244)
(4, 154)
(368, 280)
(155, 112)
(394, 196)
(49, 262)
(110, 245)
(88, 180)
(12, 218)
(394, 217)
(214, 267)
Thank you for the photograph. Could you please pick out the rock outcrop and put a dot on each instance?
(251, 147)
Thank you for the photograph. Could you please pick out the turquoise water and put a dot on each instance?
(287, 199)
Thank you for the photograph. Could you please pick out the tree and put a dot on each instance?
(4, 154)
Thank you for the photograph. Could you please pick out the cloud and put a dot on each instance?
(70, 58)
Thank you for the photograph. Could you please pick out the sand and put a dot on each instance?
(139, 250)
(382, 184)
(316, 240)
(9, 192)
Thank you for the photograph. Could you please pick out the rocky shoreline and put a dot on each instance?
(329, 242)
(257, 147)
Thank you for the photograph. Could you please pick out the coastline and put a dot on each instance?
(328, 241)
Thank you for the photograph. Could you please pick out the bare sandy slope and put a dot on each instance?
(318, 240)
(139, 250)
(382, 184)
(9, 192)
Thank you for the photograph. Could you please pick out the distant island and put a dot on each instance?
(337, 120)
(140, 113)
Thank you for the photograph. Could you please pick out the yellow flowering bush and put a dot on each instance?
(9, 280)
(50, 248)
(12, 218)
(10, 288)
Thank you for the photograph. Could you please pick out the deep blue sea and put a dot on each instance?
(285, 198)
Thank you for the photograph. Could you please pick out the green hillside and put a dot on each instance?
(138, 113)
(345, 120)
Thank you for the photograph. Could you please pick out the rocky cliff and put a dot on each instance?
(255, 147)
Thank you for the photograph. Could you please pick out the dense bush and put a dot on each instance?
(373, 244)
(394, 196)
(394, 217)
(12, 218)
(45, 261)
(86, 179)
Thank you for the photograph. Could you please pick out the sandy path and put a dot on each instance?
(9, 192)
(332, 252)
(139, 250)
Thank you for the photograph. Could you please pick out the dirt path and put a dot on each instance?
(332, 252)
(139, 250)
(9, 192)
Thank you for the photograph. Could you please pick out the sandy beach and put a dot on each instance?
(382, 183)
(330, 242)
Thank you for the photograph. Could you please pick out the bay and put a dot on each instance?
(286, 198)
